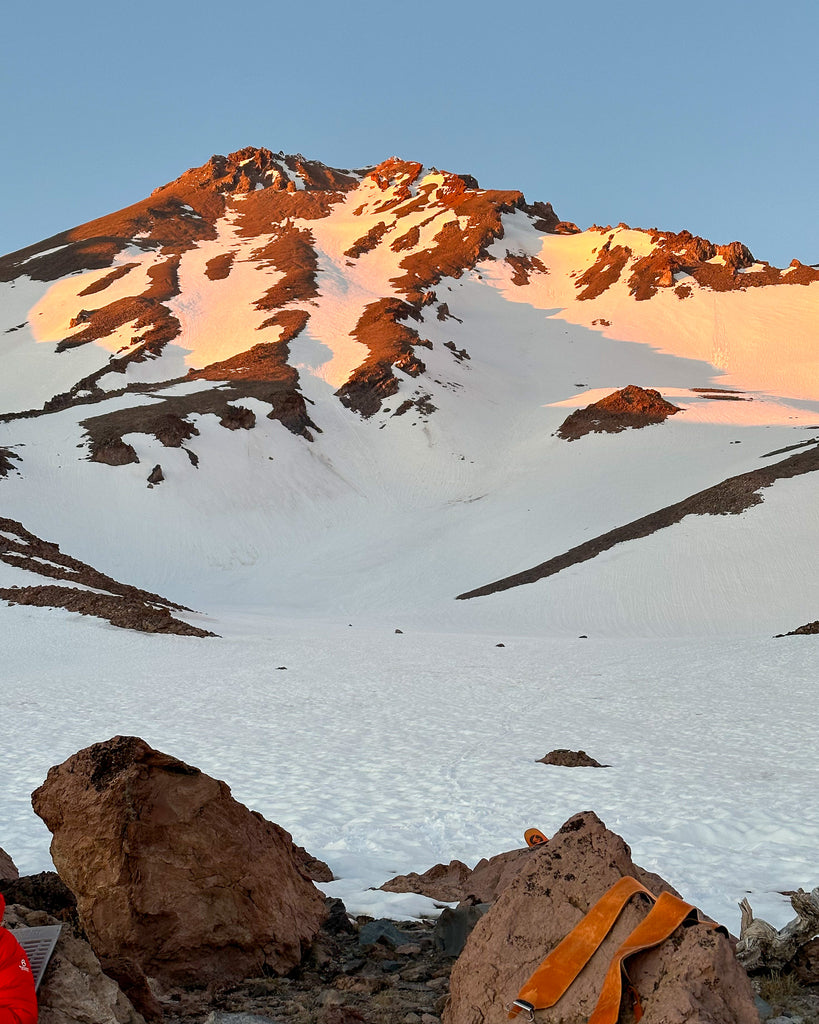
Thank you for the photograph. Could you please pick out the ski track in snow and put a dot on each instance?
(385, 753)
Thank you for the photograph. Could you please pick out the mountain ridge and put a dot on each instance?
(263, 292)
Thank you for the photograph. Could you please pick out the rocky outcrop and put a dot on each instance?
(390, 342)
(809, 629)
(444, 882)
(692, 976)
(82, 588)
(44, 891)
(455, 882)
(8, 870)
(730, 497)
(74, 988)
(171, 872)
(6, 463)
(630, 408)
(570, 759)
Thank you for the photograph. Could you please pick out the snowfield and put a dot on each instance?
(384, 753)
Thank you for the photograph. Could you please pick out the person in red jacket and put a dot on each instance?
(18, 1000)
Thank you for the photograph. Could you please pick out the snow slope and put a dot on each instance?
(352, 382)
(385, 753)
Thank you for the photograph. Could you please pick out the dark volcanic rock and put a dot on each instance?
(809, 629)
(570, 759)
(454, 927)
(113, 452)
(45, 891)
(633, 406)
(122, 605)
(6, 465)
(171, 872)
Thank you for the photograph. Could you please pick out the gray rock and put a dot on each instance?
(453, 927)
(381, 931)
(765, 1009)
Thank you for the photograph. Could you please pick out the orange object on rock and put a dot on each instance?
(560, 968)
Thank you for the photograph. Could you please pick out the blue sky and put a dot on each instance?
(698, 115)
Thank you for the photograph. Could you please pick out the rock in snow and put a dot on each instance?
(694, 976)
(570, 759)
(170, 871)
(632, 407)
(455, 882)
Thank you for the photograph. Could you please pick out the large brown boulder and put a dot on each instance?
(693, 976)
(170, 871)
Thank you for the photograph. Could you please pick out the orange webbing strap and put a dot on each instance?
(551, 979)
(667, 914)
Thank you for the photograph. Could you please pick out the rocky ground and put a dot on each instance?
(400, 979)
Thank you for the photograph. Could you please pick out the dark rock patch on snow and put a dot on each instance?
(730, 497)
(121, 604)
(570, 759)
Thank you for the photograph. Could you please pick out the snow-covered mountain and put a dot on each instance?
(275, 388)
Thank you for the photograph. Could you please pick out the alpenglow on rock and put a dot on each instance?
(172, 872)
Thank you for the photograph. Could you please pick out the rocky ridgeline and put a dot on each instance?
(179, 904)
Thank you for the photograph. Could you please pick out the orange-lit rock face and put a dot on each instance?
(632, 407)
(259, 267)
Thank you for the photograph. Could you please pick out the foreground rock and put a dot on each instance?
(7, 866)
(74, 987)
(694, 976)
(172, 874)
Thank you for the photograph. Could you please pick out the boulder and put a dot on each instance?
(74, 988)
(630, 408)
(694, 976)
(491, 876)
(455, 882)
(45, 891)
(453, 927)
(444, 882)
(171, 872)
(570, 759)
(7, 866)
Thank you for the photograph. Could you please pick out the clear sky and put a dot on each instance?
(701, 115)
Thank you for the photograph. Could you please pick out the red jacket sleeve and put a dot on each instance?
(18, 1000)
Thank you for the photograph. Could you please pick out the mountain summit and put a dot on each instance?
(278, 385)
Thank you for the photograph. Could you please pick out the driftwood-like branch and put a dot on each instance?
(762, 948)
